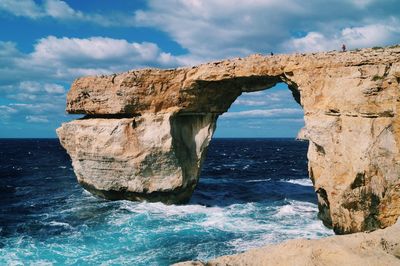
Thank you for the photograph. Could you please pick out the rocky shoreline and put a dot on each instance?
(380, 247)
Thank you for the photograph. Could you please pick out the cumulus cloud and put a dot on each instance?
(211, 29)
(232, 28)
(57, 61)
(24, 8)
(72, 57)
(60, 10)
(356, 37)
(38, 81)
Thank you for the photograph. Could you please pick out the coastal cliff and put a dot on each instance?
(145, 132)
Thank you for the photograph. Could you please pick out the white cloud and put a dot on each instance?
(31, 90)
(251, 102)
(265, 98)
(30, 112)
(67, 58)
(54, 88)
(207, 29)
(355, 37)
(55, 62)
(60, 10)
(35, 108)
(20, 96)
(36, 119)
(37, 81)
(94, 48)
(6, 110)
(277, 112)
(23, 8)
(30, 86)
(211, 29)
(216, 29)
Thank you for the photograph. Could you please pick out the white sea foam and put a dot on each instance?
(302, 182)
(166, 210)
(296, 219)
(258, 180)
(55, 223)
(235, 218)
(295, 207)
(134, 228)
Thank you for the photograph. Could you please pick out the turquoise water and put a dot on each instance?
(251, 193)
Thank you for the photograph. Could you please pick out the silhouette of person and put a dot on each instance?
(343, 48)
(272, 53)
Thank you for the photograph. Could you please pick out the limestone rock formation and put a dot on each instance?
(381, 247)
(146, 132)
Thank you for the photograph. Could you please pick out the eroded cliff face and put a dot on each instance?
(146, 132)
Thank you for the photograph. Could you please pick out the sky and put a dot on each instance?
(46, 44)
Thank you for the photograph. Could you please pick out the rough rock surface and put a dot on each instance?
(381, 247)
(146, 132)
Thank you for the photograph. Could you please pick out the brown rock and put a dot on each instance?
(146, 131)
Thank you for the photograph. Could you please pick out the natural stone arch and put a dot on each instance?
(146, 131)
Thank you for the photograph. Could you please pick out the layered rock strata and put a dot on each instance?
(381, 247)
(146, 132)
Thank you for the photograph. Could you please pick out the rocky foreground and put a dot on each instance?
(146, 132)
(381, 247)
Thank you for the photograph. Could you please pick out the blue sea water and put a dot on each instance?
(251, 192)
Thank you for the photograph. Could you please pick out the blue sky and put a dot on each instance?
(46, 44)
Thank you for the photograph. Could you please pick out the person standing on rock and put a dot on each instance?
(343, 48)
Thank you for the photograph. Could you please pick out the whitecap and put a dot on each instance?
(166, 210)
(258, 180)
(55, 223)
(297, 208)
(302, 182)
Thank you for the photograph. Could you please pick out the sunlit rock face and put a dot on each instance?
(146, 132)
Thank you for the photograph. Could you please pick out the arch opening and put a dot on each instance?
(254, 155)
(258, 173)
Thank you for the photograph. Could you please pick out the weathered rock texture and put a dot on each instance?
(381, 247)
(146, 132)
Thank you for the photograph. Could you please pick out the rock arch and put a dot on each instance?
(146, 132)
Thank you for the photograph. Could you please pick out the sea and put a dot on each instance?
(251, 192)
